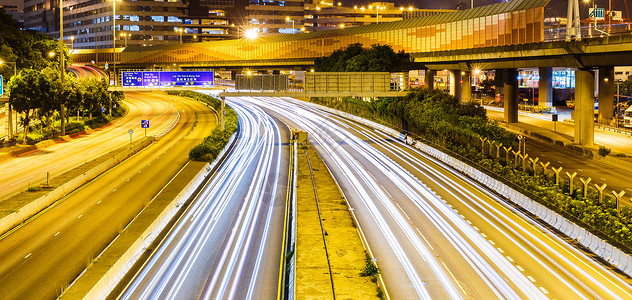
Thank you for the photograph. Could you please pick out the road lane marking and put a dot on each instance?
(519, 268)
(27, 178)
(400, 208)
(423, 237)
(468, 222)
(128, 179)
(476, 228)
(491, 242)
(28, 256)
(454, 278)
(559, 162)
(483, 235)
(56, 234)
(79, 217)
(99, 202)
(603, 179)
(544, 290)
(389, 194)
(75, 158)
(114, 191)
(97, 149)
(531, 278)
(509, 258)
(500, 250)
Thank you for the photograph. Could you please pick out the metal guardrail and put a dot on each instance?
(287, 272)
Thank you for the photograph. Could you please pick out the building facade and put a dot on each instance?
(90, 24)
(326, 15)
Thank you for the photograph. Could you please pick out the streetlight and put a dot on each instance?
(288, 19)
(125, 35)
(377, 12)
(15, 70)
(114, 38)
(72, 42)
(251, 33)
(180, 30)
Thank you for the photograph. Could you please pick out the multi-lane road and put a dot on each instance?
(437, 234)
(227, 245)
(42, 257)
(30, 169)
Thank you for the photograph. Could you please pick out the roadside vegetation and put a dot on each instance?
(213, 144)
(37, 93)
(463, 131)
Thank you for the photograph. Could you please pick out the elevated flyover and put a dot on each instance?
(502, 36)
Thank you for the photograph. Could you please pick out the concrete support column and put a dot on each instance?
(545, 89)
(455, 83)
(466, 87)
(606, 95)
(584, 107)
(404, 81)
(511, 95)
(499, 78)
(429, 78)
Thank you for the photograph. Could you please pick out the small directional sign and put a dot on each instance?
(131, 131)
(144, 123)
(520, 137)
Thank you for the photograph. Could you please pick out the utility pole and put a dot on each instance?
(62, 64)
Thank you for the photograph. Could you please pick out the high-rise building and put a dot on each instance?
(89, 24)
(13, 9)
(325, 15)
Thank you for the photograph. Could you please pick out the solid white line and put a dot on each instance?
(28, 256)
(94, 150)
(56, 234)
(21, 180)
(454, 278)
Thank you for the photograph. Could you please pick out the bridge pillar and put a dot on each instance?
(429, 78)
(584, 107)
(545, 89)
(511, 95)
(499, 79)
(455, 83)
(466, 87)
(606, 95)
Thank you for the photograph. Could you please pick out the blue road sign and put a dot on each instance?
(144, 123)
(163, 78)
(1, 86)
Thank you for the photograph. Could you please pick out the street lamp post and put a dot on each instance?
(114, 38)
(125, 35)
(62, 65)
(9, 112)
(288, 19)
(377, 12)
(180, 30)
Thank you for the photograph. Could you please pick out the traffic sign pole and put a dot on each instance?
(130, 135)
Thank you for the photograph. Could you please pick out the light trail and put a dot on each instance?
(223, 241)
(514, 258)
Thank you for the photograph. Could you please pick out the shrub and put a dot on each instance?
(604, 151)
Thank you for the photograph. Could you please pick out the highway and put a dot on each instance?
(30, 168)
(227, 245)
(437, 234)
(42, 257)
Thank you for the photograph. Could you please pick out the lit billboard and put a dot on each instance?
(167, 78)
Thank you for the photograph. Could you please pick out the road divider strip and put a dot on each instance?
(10, 222)
(601, 248)
(287, 272)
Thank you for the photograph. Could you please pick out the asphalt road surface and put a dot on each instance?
(437, 234)
(227, 245)
(42, 257)
(18, 172)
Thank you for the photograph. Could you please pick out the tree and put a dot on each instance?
(377, 58)
(96, 95)
(29, 91)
